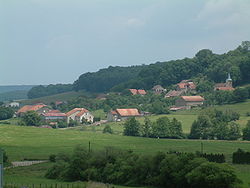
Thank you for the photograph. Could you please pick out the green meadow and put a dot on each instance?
(38, 143)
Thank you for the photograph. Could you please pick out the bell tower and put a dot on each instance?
(229, 81)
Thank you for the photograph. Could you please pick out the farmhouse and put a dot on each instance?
(186, 86)
(228, 86)
(54, 115)
(158, 89)
(138, 92)
(122, 114)
(79, 115)
(39, 108)
(13, 104)
(189, 101)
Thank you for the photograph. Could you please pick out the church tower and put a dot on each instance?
(229, 81)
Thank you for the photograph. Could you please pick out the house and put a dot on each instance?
(122, 114)
(189, 101)
(13, 104)
(54, 115)
(138, 92)
(79, 115)
(186, 86)
(173, 93)
(158, 89)
(39, 108)
(228, 86)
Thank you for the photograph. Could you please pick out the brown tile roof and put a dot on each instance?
(193, 98)
(224, 88)
(76, 110)
(141, 92)
(173, 93)
(133, 91)
(128, 112)
(220, 85)
(27, 108)
(113, 112)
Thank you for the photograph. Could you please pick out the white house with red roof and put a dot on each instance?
(122, 114)
(79, 114)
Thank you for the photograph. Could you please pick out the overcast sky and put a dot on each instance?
(54, 41)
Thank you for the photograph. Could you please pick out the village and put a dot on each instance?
(184, 94)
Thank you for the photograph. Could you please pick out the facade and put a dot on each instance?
(78, 114)
(158, 89)
(189, 101)
(54, 116)
(123, 114)
(227, 86)
(13, 104)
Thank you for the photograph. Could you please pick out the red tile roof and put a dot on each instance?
(141, 92)
(76, 110)
(128, 112)
(193, 98)
(54, 114)
(133, 91)
(183, 85)
(82, 112)
(27, 108)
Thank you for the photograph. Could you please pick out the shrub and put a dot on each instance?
(107, 129)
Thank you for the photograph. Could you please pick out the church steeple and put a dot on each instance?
(229, 81)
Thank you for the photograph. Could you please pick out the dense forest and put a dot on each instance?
(206, 67)
(41, 91)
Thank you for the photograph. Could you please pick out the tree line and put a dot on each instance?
(161, 128)
(130, 169)
(42, 91)
(205, 67)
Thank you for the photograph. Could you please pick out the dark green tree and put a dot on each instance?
(6, 113)
(201, 128)
(161, 128)
(176, 129)
(210, 175)
(146, 128)
(246, 131)
(233, 131)
(31, 118)
(131, 127)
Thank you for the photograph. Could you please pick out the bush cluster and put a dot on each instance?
(127, 168)
(241, 157)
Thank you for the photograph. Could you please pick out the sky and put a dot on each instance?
(55, 41)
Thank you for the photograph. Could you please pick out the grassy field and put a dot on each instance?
(39, 143)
